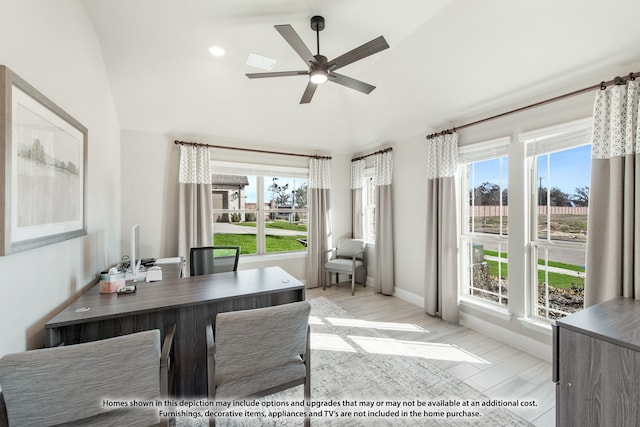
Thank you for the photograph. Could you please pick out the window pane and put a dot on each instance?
(286, 231)
(488, 270)
(286, 221)
(562, 211)
(560, 281)
(488, 196)
(284, 192)
(234, 211)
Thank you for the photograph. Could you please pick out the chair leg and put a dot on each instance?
(353, 284)
(307, 399)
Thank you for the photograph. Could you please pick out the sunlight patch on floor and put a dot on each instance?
(330, 342)
(315, 320)
(391, 326)
(423, 350)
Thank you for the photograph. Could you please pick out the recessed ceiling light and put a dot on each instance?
(216, 51)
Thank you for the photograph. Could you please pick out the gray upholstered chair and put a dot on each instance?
(67, 385)
(347, 258)
(259, 352)
(213, 259)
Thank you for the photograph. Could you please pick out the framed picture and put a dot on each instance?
(43, 168)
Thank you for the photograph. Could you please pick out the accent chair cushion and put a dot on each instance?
(342, 265)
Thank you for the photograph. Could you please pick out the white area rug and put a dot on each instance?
(357, 369)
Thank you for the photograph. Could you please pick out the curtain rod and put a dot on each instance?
(602, 85)
(372, 154)
(253, 150)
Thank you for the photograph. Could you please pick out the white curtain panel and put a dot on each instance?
(357, 203)
(195, 215)
(613, 236)
(383, 272)
(441, 287)
(319, 228)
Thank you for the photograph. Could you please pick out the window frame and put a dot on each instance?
(261, 211)
(469, 154)
(541, 142)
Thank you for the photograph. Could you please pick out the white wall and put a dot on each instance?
(52, 45)
(150, 163)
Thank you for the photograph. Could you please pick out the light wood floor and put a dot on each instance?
(491, 367)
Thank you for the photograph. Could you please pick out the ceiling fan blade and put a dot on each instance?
(277, 74)
(308, 93)
(367, 49)
(296, 42)
(351, 83)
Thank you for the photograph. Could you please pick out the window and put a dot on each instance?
(524, 222)
(369, 204)
(261, 209)
(485, 214)
(560, 167)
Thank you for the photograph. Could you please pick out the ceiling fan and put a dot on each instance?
(320, 69)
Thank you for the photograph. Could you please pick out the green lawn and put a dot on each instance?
(280, 225)
(247, 242)
(556, 280)
(541, 262)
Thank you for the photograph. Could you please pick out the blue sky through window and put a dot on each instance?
(570, 169)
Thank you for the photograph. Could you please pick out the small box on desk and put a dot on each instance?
(111, 287)
(110, 282)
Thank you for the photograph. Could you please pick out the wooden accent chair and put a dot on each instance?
(258, 352)
(213, 259)
(68, 385)
(347, 258)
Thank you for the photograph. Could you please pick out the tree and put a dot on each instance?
(557, 197)
(280, 193)
(487, 194)
(37, 152)
(581, 196)
(300, 201)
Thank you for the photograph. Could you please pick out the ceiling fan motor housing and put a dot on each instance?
(317, 23)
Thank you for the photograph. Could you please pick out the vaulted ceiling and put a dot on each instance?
(448, 61)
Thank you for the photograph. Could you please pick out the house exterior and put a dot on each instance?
(228, 192)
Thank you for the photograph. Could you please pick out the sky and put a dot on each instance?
(567, 169)
(252, 197)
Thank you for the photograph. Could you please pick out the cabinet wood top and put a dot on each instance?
(616, 321)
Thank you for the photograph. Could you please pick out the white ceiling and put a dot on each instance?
(449, 61)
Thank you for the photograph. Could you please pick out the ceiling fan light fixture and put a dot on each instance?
(318, 76)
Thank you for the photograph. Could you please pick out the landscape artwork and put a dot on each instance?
(47, 152)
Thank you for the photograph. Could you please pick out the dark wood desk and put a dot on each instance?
(187, 302)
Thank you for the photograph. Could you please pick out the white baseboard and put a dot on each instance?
(519, 341)
(409, 297)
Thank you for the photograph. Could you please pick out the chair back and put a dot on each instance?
(68, 384)
(252, 341)
(213, 259)
(347, 248)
